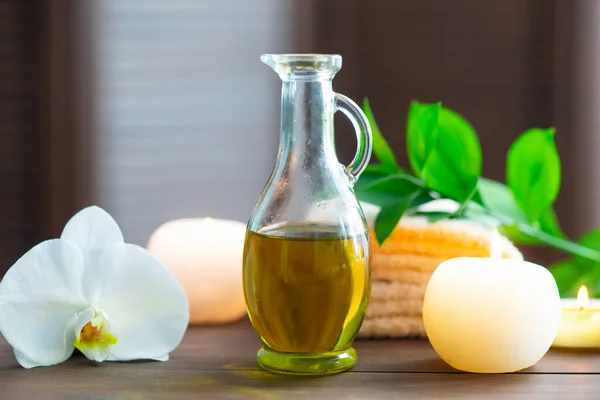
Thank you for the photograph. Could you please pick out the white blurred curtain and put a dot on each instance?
(187, 115)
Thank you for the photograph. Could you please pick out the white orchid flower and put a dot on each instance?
(91, 291)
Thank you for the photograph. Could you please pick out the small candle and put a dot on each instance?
(491, 315)
(579, 322)
(206, 257)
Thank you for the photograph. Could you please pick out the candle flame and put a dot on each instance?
(495, 245)
(582, 296)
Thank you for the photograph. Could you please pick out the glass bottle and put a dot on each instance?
(306, 271)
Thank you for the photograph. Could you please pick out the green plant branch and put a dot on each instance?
(561, 244)
(446, 160)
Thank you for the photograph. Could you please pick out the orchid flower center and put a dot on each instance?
(94, 334)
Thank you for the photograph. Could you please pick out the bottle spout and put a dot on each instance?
(303, 66)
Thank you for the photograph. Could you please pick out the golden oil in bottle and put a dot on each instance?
(306, 288)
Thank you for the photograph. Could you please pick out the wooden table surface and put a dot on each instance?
(215, 362)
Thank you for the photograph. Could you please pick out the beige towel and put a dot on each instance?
(403, 265)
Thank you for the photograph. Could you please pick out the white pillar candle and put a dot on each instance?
(491, 315)
(579, 322)
(206, 257)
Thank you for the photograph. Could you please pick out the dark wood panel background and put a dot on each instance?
(19, 183)
(493, 62)
(45, 147)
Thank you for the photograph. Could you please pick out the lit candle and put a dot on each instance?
(206, 257)
(491, 315)
(579, 322)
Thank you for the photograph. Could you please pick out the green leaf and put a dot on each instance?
(591, 240)
(435, 216)
(423, 197)
(379, 169)
(372, 173)
(533, 171)
(499, 199)
(389, 216)
(549, 223)
(590, 279)
(389, 190)
(566, 274)
(454, 166)
(475, 212)
(396, 185)
(515, 235)
(536, 233)
(565, 245)
(421, 133)
(381, 148)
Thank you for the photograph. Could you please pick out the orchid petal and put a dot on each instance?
(25, 361)
(39, 298)
(92, 229)
(145, 299)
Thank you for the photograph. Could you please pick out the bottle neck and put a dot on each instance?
(307, 109)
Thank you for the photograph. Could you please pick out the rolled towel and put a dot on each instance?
(402, 266)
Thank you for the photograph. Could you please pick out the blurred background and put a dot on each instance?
(157, 110)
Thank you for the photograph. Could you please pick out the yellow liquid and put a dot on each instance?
(306, 288)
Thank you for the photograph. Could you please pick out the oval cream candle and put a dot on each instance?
(579, 322)
(491, 315)
(205, 255)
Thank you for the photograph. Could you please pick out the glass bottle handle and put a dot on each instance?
(364, 139)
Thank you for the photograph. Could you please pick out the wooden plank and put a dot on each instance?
(172, 380)
(218, 361)
(418, 356)
(234, 346)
